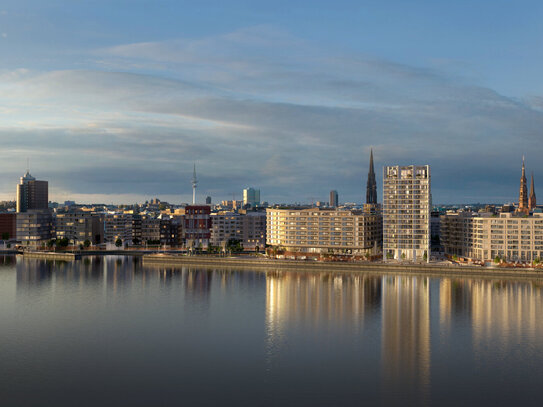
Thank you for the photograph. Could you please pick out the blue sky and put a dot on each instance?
(113, 101)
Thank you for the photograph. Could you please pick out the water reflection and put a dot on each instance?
(404, 330)
(405, 337)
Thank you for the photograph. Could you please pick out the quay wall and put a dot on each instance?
(368, 268)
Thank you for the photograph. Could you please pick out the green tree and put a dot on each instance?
(497, 259)
(118, 243)
(64, 242)
(5, 236)
(87, 243)
(425, 256)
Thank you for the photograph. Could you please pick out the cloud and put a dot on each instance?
(259, 107)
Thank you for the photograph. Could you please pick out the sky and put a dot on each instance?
(114, 101)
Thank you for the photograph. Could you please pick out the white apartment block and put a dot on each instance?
(317, 230)
(407, 204)
(484, 237)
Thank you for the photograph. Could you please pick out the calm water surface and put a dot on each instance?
(108, 331)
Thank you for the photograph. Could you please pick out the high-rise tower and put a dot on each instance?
(531, 199)
(523, 192)
(194, 185)
(371, 186)
(31, 193)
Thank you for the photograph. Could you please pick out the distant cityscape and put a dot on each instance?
(404, 227)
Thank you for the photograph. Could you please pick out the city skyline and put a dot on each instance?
(118, 108)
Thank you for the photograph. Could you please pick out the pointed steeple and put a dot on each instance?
(532, 200)
(523, 191)
(371, 186)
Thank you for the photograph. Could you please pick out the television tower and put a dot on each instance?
(194, 185)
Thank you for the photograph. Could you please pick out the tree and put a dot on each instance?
(425, 256)
(403, 256)
(118, 242)
(234, 245)
(136, 241)
(87, 243)
(5, 236)
(497, 259)
(64, 242)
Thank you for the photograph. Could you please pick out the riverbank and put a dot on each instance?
(427, 269)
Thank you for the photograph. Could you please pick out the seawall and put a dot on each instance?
(368, 268)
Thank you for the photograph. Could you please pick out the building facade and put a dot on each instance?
(485, 237)
(118, 226)
(251, 197)
(316, 230)
(407, 204)
(334, 199)
(197, 225)
(248, 228)
(8, 226)
(32, 194)
(79, 227)
(34, 227)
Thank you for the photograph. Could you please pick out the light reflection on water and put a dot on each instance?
(164, 335)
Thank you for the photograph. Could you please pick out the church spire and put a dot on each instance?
(371, 186)
(523, 191)
(531, 199)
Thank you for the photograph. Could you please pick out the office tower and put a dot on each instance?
(406, 212)
(208, 200)
(32, 194)
(531, 200)
(251, 196)
(334, 199)
(371, 186)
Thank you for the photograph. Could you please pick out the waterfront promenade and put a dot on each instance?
(427, 269)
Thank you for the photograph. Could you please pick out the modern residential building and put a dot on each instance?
(407, 203)
(251, 197)
(334, 199)
(150, 230)
(316, 230)
(32, 194)
(197, 225)
(485, 237)
(118, 226)
(78, 227)
(34, 227)
(249, 228)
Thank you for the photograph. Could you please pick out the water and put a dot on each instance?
(108, 331)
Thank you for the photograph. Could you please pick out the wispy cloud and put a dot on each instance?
(258, 107)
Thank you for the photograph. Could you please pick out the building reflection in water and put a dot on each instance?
(313, 301)
(405, 337)
(505, 314)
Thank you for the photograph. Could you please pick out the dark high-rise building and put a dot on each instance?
(32, 194)
(371, 186)
(531, 199)
(208, 200)
(334, 198)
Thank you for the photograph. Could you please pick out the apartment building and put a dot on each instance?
(249, 228)
(483, 237)
(320, 230)
(407, 203)
(34, 227)
(78, 227)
